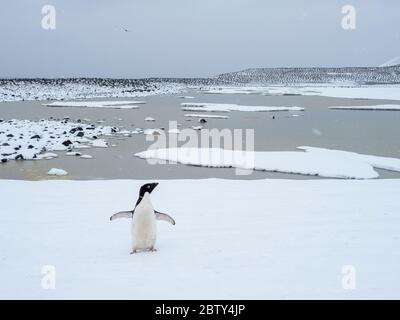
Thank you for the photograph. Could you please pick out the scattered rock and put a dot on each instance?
(67, 143)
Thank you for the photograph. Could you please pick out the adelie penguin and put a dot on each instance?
(144, 229)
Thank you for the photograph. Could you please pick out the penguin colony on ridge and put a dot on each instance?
(144, 217)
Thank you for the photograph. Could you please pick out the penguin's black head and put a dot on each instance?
(148, 187)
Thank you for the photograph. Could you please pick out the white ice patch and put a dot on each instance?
(186, 97)
(248, 90)
(73, 153)
(225, 107)
(152, 131)
(86, 156)
(212, 116)
(97, 104)
(100, 143)
(314, 161)
(49, 155)
(380, 107)
(57, 172)
(174, 131)
(389, 92)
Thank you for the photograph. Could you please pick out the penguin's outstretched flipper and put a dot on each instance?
(121, 214)
(164, 216)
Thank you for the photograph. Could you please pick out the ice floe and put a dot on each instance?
(241, 90)
(99, 143)
(186, 97)
(225, 107)
(313, 161)
(49, 155)
(86, 156)
(154, 131)
(73, 153)
(97, 104)
(212, 116)
(57, 172)
(150, 119)
(380, 107)
(174, 131)
(390, 92)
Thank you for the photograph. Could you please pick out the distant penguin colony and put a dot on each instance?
(143, 217)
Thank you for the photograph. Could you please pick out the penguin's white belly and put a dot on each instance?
(144, 228)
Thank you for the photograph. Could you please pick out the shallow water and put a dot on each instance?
(369, 132)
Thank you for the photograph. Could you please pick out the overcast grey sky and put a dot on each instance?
(191, 38)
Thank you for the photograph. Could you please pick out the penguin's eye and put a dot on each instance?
(148, 187)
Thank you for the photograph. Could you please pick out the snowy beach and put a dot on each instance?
(264, 239)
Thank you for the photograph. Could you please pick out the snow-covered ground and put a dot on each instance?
(314, 161)
(232, 240)
(224, 107)
(56, 89)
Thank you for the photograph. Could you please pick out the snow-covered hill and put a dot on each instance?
(356, 75)
(392, 62)
(56, 89)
